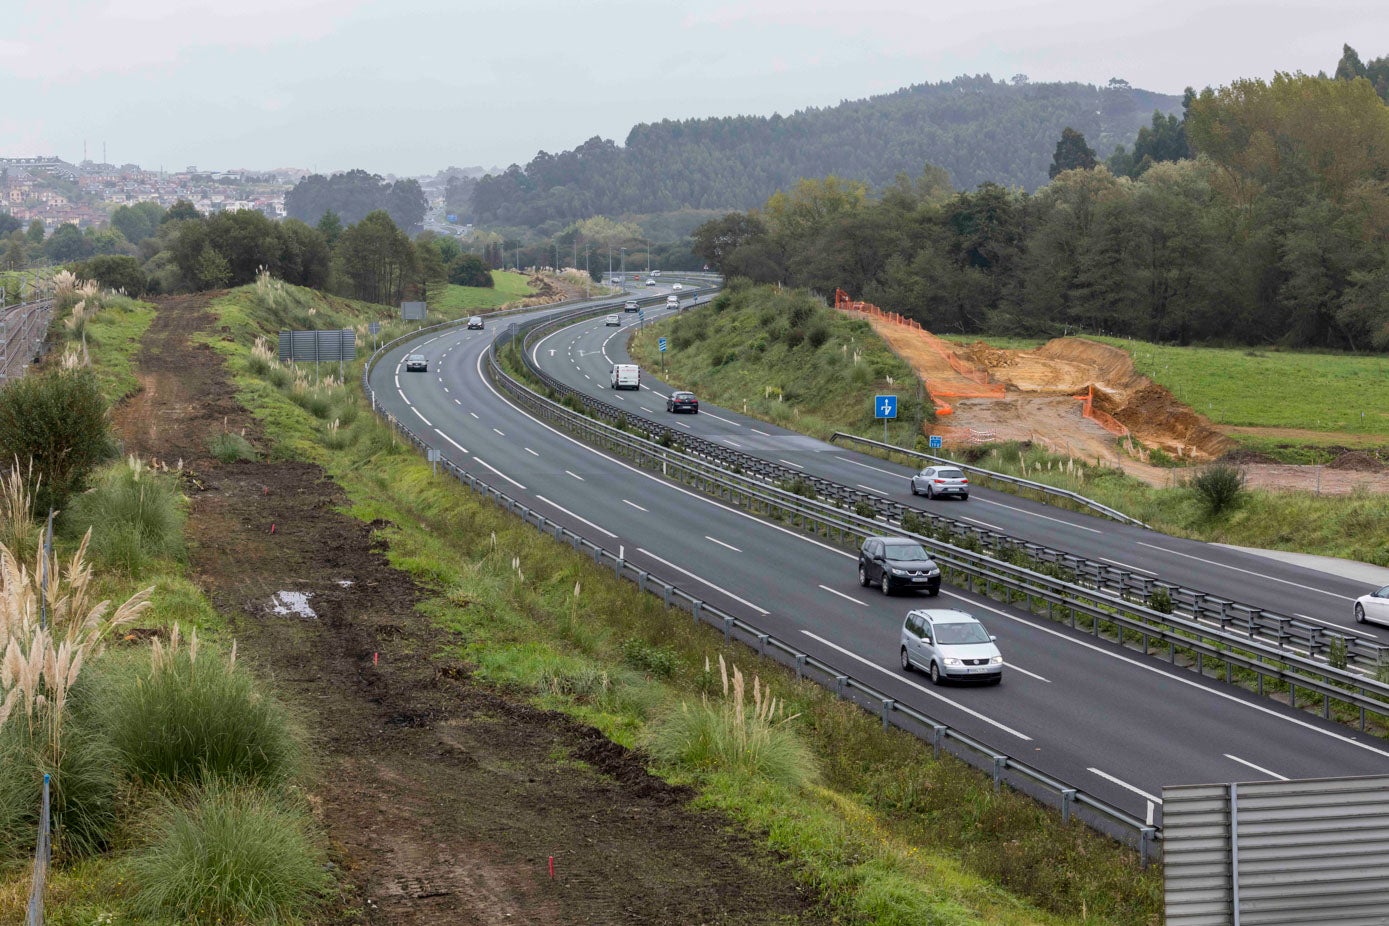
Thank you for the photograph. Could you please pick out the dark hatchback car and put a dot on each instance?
(896, 563)
(682, 402)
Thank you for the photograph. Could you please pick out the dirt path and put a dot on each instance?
(444, 800)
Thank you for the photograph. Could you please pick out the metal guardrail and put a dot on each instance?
(22, 331)
(990, 475)
(1293, 637)
(941, 736)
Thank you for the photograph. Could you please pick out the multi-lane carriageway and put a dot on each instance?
(1108, 721)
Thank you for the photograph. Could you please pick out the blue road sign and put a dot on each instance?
(661, 342)
(641, 315)
(936, 442)
(885, 406)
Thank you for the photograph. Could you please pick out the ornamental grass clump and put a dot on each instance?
(745, 732)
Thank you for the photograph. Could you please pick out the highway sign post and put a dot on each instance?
(885, 407)
(935, 441)
(661, 343)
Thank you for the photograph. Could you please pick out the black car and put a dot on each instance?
(893, 563)
(416, 363)
(682, 402)
(475, 323)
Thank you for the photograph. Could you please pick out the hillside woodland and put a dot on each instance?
(976, 128)
(1263, 219)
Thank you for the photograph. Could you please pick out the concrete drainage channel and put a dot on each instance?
(1004, 769)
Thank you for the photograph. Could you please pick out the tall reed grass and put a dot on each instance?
(135, 515)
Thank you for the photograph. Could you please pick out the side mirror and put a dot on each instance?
(993, 639)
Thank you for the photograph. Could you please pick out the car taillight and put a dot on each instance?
(965, 481)
(940, 482)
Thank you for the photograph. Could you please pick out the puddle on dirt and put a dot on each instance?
(292, 603)
(345, 583)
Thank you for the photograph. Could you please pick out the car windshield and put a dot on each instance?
(904, 552)
(962, 632)
(416, 357)
(950, 474)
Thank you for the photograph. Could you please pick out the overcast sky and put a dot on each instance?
(411, 86)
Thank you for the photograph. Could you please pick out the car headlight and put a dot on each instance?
(952, 661)
(997, 660)
(898, 572)
(934, 572)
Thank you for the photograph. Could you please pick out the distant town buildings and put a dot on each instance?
(57, 192)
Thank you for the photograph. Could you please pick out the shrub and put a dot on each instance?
(228, 447)
(187, 716)
(228, 855)
(135, 515)
(1219, 488)
(57, 420)
(1336, 653)
(913, 523)
(1160, 600)
(733, 735)
(818, 335)
(653, 660)
(864, 509)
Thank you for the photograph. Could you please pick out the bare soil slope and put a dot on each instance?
(444, 799)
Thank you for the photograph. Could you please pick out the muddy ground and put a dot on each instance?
(444, 801)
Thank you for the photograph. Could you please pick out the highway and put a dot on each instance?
(580, 357)
(1102, 719)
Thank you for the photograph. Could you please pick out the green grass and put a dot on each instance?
(136, 517)
(113, 340)
(531, 615)
(1274, 388)
(507, 286)
(754, 350)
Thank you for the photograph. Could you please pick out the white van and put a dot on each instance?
(626, 376)
(672, 302)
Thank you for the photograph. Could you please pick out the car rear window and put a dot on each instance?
(950, 474)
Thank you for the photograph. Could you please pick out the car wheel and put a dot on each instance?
(930, 492)
(694, 411)
(1360, 614)
(914, 492)
(862, 576)
(932, 592)
(906, 661)
(935, 673)
(965, 497)
(886, 584)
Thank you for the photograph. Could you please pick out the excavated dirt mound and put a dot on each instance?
(1357, 461)
(444, 799)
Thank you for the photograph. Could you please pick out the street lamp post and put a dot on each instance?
(648, 256)
(623, 269)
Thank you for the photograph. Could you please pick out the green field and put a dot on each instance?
(507, 287)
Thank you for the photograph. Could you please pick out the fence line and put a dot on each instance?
(43, 856)
(22, 331)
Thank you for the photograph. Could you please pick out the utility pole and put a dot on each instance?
(623, 269)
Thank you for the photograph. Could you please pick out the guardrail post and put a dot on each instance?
(762, 639)
(641, 580)
(888, 705)
(1068, 796)
(937, 738)
(665, 594)
(1000, 763)
(695, 608)
(727, 629)
(617, 566)
(839, 681)
(800, 673)
(1145, 837)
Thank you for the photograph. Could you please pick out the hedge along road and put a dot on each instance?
(1109, 722)
(581, 353)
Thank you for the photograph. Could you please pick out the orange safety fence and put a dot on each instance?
(985, 390)
(1103, 419)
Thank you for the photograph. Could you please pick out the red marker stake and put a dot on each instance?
(272, 528)
(375, 658)
(552, 868)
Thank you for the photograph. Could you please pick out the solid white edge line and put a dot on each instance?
(1250, 572)
(844, 596)
(720, 418)
(1357, 631)
(498, 472)
(1125, 785)
(579, 518)
(1257, 768)
(764, 434)
(731, 443)
(873, 468)
(722, 544)
(922, 688)
(717, 588)
(1127, 566)
(1180, 679)
(422, 417)
(450, 440)
(985, 524)
(633, 504)
(789, 463)
(1034, 514)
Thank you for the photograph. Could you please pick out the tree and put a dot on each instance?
(717, 239)
(16, 256)
(211, 270)
(1072, 153)
(114, 271)
(36, 232)
(1350, 66)
(406, 203)
(305, 257)
(330, 227)
(469, 270)
(9, 223)
(181, 211)
(376, 259)
(138, 222)
(67, 243)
